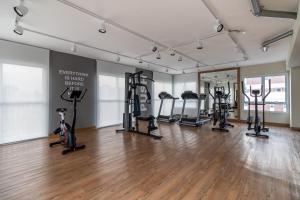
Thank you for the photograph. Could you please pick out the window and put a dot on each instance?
(158, 88)
(111, 90)
(181, 87)
(277, 99)
(23, 103)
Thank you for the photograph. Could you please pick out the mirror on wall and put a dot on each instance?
(227, 80)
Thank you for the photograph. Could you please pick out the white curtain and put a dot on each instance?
(23, 102)
(111, 99)
(163, 83)
(111, 93)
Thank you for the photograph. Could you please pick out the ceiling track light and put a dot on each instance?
(265, 49)
(172, 53)
(199, 45)
(140, 61)
(118, 59)
(154, 48)
(237, 31)
(102, 28)
(19, 30)
(179, 59)
(219, 27)
(158, 56)
(21, 10)
(74, 48)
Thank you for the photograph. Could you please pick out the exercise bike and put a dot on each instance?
(63, 130)
(258, 126)
(67, 132)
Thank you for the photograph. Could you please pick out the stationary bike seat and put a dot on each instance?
(61, 110)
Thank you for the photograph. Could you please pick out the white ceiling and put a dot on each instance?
(230, 75)
(171, 23)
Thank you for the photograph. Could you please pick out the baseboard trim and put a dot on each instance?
(295, 128)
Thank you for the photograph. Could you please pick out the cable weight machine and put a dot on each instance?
(133, 82)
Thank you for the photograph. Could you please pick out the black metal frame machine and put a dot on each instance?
(166, 118)
(132, 108)
(258, 127)
(221, 107)
(195, 121)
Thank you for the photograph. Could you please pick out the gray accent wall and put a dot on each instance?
(75, 72)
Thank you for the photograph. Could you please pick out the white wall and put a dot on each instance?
(295, 97)
(261, 70)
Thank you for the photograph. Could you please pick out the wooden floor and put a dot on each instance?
(188, 163)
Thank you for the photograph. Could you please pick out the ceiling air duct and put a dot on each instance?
(258, 11)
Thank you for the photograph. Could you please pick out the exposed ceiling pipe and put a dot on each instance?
(258, 11)
(267, 43)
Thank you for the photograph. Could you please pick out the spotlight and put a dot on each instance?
(19, 29)
(179, 59)
(265, 48)
(21, 10)
(172, 53)
(118, 59)
(158, 56)
(199, 45)
(167, 70)
(154, 48)
(197, 65)
(219, 27)
(102, 28)
(140, 61)
(74, 48)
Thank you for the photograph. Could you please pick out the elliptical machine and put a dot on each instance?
(221, 108)
(258, 127)
(67, 134)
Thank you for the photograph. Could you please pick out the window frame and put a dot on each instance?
(263, 79)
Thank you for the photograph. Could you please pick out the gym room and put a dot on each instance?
(149, 100)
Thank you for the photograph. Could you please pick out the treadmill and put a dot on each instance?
(193, 121)
(166, 118)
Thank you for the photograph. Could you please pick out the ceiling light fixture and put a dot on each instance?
(140, 61)
(21, 10)
(158, 56)
(237, 31)
(219, 27)
(74, 48)
(118, 59)
(199, 45)
(265, 48)
(172, 53)
(179, 59)
(102, 28)
(154, 48)
(18, 29)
